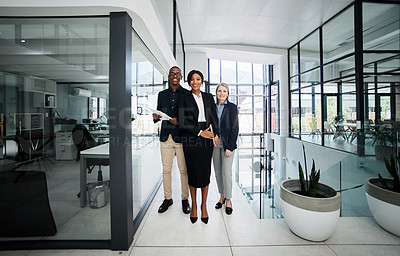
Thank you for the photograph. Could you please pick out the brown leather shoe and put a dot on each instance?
(164, 206)
(185, 206)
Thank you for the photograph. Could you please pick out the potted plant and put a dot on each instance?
(311, 209)
(385, 140)
(383, 197)
(338, 119)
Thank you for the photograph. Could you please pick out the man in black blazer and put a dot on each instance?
(170, 141)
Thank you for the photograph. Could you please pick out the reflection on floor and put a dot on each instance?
(72, 221)
(63, 179)
(341, 144)
(242, 233)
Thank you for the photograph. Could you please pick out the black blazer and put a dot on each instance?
(164, 105)
(189, 114)
(229, 128)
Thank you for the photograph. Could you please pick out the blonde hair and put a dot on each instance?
(224, 85)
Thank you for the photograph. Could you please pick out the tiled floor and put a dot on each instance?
(241, 233)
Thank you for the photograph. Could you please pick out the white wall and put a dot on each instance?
(198, 61)
(324, 157)
(282, 76)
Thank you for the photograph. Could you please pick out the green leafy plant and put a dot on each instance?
(309, 184)
(385, 137)
(392, 168)
(338, 119)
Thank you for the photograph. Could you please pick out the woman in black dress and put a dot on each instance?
(198, 122)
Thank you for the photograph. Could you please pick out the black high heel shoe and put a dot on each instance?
(229, 210)
(193, 219)
(204, 219)
(219, 205)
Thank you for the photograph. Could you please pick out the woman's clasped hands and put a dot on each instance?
(208, 134)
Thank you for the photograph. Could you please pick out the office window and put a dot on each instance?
(93, 108)
(258, 74)
(102, 107)
(97, 107)
(275, 109)
(309, 52)
(228, 69)
(244, 73)
(245, 81)
(215, 72)
(294, 62)
(381, 26)
(338, 36)
(145, 73)
(295, 114)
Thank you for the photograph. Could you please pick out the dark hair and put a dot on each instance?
(191, 73)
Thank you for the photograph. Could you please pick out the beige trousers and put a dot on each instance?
(168, 148)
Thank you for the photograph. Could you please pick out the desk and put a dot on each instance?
(103, 152)
(348, 124)
(352, 128)
(100, 135)
(340, 131)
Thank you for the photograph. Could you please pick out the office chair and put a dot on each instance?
(84, 140)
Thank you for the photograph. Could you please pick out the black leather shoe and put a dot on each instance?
(219, 205)
(193, 219)
(229, 210)
(205, 220)
(164, 206)
(185, 206)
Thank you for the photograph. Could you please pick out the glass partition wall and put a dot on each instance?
(324, 93)
(52, 70)
(54, 104)
(344, 94)
(147, 81)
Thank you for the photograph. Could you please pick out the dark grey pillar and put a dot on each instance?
(121, 131)
(358, 49)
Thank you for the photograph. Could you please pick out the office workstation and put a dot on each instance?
(41, 125)
(38, 119)
(37, 136)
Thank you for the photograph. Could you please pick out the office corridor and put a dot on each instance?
(172, 233)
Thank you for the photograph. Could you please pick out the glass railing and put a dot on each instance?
(262, 190)
(252, 171)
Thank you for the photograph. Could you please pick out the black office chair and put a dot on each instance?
(83, 140)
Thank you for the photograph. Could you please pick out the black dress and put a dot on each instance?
(198, 150)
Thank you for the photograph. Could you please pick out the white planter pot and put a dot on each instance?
(384, 205)
(311, 218)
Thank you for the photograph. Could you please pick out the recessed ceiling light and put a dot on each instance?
(22, 41)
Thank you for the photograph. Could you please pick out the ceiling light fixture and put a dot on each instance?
(22, 41)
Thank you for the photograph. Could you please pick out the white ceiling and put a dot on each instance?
(73, 50)
(269, 24)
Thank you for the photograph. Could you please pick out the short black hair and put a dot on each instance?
(175, 67)
(191, 73)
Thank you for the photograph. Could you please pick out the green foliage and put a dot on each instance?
(309, 184)
(385, 137)
(392, 168)
(338, 119)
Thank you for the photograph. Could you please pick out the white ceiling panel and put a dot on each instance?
(267, 23)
